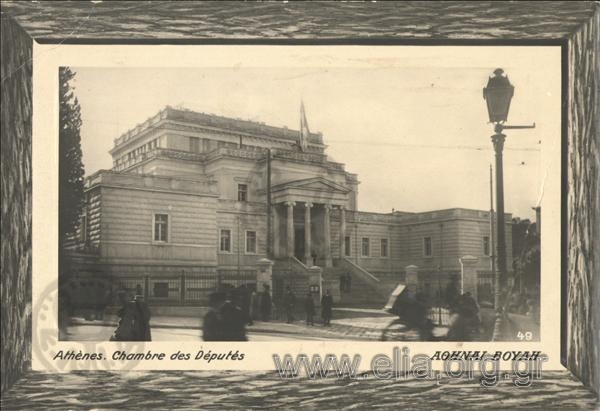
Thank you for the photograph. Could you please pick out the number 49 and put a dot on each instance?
(527, 336)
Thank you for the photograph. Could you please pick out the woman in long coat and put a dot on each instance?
(142, 320)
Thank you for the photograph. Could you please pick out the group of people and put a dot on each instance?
(225, 320)
(231, 310)
(289, 304)
(134, 320)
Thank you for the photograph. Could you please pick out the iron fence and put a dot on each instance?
(187, 288)
(485, 287)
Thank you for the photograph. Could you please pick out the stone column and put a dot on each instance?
(468, 277)
(342, 232)
(412, 278)
(307, 239)
(290, 228)
(264, 275)
(327, 236)
(276, 250)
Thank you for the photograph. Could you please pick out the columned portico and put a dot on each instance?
(307, 234)
(290, 228)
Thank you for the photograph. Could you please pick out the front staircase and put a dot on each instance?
(366, 291)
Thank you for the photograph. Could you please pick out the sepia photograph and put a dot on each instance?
(389, 200)
(312, 205)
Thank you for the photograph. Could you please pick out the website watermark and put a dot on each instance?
(526, 366)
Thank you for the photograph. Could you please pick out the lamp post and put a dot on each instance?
(498, 94)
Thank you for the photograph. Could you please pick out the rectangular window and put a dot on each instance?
(427, 250)
(486, 245)
(347, 246)
(194, 144)
(365, 247)
(225, 241)
(242, 192)
(251, 242)
(384, 247)
(161, 227)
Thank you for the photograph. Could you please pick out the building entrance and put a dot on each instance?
(299, 243)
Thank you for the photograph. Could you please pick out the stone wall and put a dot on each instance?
(15, 166)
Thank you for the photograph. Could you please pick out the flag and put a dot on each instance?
(304, 131)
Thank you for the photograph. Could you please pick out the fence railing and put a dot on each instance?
(188, 288)
(485, 287)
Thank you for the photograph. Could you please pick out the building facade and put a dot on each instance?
(196, 200)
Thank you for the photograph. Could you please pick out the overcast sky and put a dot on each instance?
(413, 127)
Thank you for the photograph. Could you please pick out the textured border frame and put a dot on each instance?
(575, 25)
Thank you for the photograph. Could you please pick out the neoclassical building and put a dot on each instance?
(196, 200)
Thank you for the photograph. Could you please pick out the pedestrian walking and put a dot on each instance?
(309, 309)
(265, 303)
(326, 308)
(141, 323)
(244, 302)
(134, 321)
(211, 324)
(289, 302)
(254, 307)
(232, 321)
(125, 328)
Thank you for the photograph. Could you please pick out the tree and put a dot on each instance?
(526, 253)
(70, 166)
(70, 184)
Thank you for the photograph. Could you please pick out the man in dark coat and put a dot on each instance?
(326, 308)
(211, 325)
(141, 322)
(125, 328)
(289, 301)
(244, 302)
(254, 307)
(265, 304)
(233, 321)
(309, 309)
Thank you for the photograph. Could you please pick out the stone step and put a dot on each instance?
(361, 293)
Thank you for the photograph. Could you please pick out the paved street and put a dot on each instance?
(348, 324)
(103, 333)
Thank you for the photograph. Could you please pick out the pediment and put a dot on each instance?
(314, 184)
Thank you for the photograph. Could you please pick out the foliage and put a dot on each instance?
(526, 253)
(70, 166)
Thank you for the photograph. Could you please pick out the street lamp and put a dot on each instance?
(498, 94)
